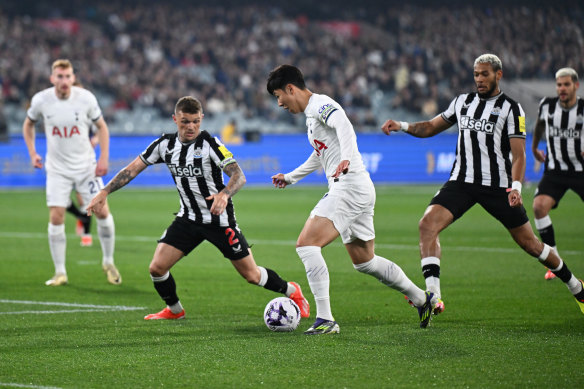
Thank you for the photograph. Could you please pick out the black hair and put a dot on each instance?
(284, 75)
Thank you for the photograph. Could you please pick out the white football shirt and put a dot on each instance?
(331, 134)
(67, 123)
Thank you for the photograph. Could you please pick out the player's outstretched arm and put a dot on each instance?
(236, 181)
(418, 129)
(120, 180)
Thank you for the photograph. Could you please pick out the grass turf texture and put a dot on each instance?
(504, 326)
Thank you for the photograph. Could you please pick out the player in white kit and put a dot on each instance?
(67, 112)
(346, 210)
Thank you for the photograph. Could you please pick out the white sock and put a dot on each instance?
(263, 276)
(432, 283)
(542, 223)
(318, 279)
(106, 232)
(58, 246)
(291, 289)
(175, 308)
(573, 284)
(393, 276)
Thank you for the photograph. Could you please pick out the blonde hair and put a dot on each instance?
(490, 59)
(563, 72)
(62, 63)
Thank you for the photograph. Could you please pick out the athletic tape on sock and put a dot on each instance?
(544, 222)
(545, 252)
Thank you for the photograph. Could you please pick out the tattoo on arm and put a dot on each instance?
(236, 179)
(120, 180)
(420, 129)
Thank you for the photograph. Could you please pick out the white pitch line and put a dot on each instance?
(85, 307)
(62, 311)
(292, 243)
(15, 385)
(76, 305)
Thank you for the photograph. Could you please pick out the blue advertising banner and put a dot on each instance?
(396, 159)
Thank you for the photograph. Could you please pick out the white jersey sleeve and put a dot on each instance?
(310, 165)
(331, 135)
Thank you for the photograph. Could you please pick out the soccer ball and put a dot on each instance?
(282, 315)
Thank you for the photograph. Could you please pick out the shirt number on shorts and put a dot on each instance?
(231, 233)
(94, 187)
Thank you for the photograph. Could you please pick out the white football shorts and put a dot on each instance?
(349, 204)
(59, 187)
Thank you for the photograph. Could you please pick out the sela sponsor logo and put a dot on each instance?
(564, 133)
(185, 171)
(479, 125)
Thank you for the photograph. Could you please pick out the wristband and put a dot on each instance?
(404, 126)
(516, 185)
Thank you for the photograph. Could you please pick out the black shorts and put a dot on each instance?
(186, 235)
(556, 185)
(459, 197)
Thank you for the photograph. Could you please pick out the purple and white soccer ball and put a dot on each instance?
(282, 315)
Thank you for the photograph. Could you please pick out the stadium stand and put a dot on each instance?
(377, 59)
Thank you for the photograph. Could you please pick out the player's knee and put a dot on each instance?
(426, 226)
(539, 210)
(157, 270)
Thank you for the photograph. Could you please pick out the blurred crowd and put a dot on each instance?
(417, 57)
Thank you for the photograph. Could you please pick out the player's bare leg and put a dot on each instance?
(542, 205)
(165, 257)
(269, 279)
(436, 218)
(527, 240)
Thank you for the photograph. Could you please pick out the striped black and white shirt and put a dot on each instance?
(197, 170)
(483, 151)
(563, 134)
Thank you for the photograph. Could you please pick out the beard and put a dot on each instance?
(489, 92)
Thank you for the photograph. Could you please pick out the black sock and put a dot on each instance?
(564, 273)
(275, 283)
(86, 220)
(580, 295)
(547, 235)
(431, 270)
(167, 290)
(86, 224)
(72, 209)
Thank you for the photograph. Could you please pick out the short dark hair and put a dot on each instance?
(188, 104)
(284, 75)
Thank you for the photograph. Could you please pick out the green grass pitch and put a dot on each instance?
(504, 326)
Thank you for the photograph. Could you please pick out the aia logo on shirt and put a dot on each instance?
(65, 132)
